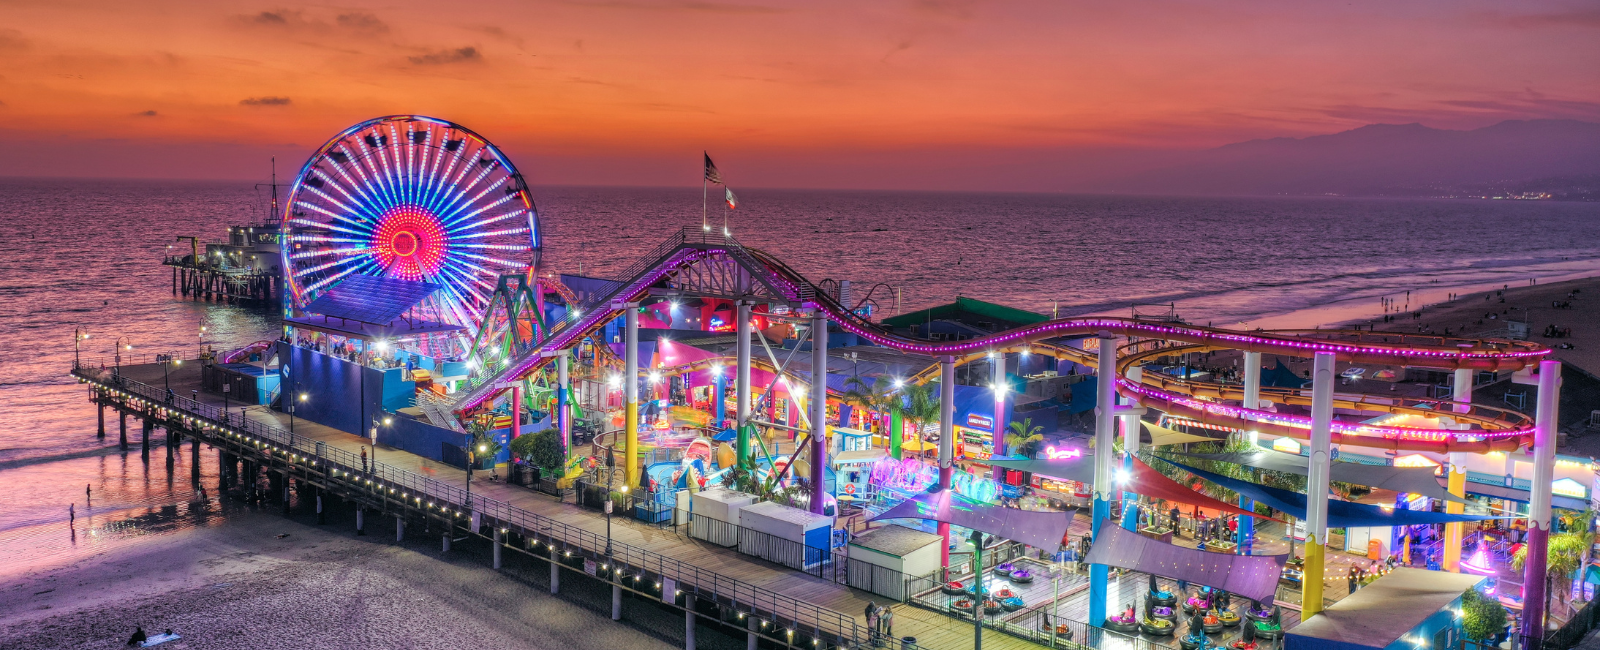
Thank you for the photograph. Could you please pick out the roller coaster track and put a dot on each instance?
(1446, 353)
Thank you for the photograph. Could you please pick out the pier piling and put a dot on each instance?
(399, 528)
(750, 633)
(322, 518)
(100, 417)
(447, 540)
(616, 600)
(555, 571)
(144, 444)
(499, 543)
(172, 441)
(361, 520)
(194, 460)
(122, 425)
(688, 628)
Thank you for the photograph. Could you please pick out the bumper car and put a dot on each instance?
(991, 607)
(1242, 644)
(1164, 613)
(1122, 623)
(954, 588)
(1004, 570)
(1163, 598)
(1195, 602)
(1022, 576)
(964, 604)
(1228, 618)
(1012, 604)
(1253, 614)
(1004, 594)
(1267, 630)
(1192, 642)
(1211, 623)
(1156, 626)
(1063, 632)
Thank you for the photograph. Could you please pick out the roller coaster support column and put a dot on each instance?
(819, 411)
(630, 391)
(1252, 400)
(1544, 465)
(1457, 477)
(998, 438)
(1322, 380)
(564, 399)
(1128, 414)
(947, 442)
(742, 384)
(1104, 429)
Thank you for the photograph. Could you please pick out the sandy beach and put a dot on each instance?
(1486, 313)
(265, 580)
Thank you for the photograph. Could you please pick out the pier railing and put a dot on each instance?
(446, 500)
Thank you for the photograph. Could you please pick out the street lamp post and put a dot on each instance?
(978, 598)
(165, 380)
(117, 349)
(79, 335)
(624, 491)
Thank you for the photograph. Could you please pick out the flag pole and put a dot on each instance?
(703, 185)
(725, 210)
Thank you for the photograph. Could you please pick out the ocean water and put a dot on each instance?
(86, 253)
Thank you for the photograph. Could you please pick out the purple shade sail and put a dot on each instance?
(1251, 576)
(1037, 529)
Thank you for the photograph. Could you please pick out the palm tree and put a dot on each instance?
(870, 396)
(1567, 553)
(919, 405)
(1023, 438)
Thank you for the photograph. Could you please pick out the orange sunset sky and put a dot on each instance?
(895, 94)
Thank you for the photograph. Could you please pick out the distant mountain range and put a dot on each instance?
(1549, 159)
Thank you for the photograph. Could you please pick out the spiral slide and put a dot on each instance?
(1498, 431)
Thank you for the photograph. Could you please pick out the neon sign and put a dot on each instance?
(980, 421)
(1051, 453)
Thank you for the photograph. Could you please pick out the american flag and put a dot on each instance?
(711, 170)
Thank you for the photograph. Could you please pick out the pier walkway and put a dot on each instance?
(817, 609)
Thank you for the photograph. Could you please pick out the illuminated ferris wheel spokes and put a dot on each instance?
(412, 198)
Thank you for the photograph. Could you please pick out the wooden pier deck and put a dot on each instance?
(932, 629)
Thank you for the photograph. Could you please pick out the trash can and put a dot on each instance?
(908, 643)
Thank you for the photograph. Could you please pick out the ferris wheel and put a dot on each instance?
(411, 198)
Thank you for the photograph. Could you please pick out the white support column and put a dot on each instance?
(947, 442)
(688, 628)
(819, 411)
(399, 529)
(1104, 457)
(564, 400)
(742, 383)
(616, 602)
(1544, 466)
(1128, 415)
(361, 520)
(446, 543)
(997, 437)
(630, 392)
(1252, 380)
(1322, 382)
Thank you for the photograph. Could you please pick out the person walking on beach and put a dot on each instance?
(72, 513)
(88, 491)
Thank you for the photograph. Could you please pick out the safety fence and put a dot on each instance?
(791, 620)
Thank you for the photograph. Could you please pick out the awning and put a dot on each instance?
(1341, 514)
(1252, 576)
(1043, 530)
(1161, 436)
(1521, 496)
(1145, 480)
(1413, 480)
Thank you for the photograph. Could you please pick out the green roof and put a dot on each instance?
(967, 306)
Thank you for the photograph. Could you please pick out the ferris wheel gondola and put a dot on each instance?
(411, 198)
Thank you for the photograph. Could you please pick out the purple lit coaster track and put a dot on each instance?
(413, 198)
(1494, 433)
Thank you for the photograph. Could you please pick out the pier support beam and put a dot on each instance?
(499, 543)
(100, 415)
(947, 443)
(1322, 382)
(1456, 481)
(555, 571)
(361, 520)
(688, 628)
(122, 427)
(172, 441)
(819, 411)
(446, 540)
(997, 435)
(742, 383)
(399, 528)
(194, 460)
(616, 601)
(322, 515)
(1544, 465)
(144, 444)
(1104, 429)
(750, 635)
(630, 392)
(1128, 415)
(1252, 400)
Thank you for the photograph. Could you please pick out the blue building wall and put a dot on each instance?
(423, 439)
(337, 391)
